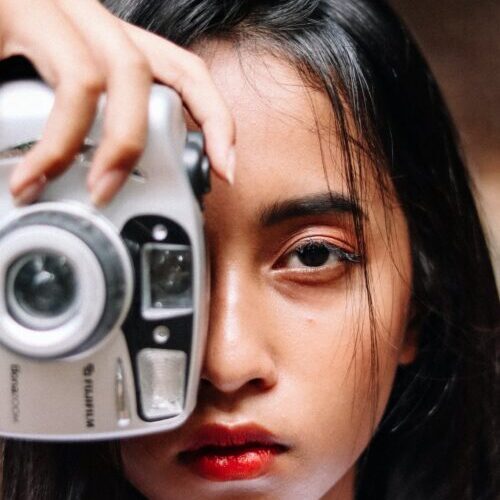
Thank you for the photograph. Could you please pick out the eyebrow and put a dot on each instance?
(316, 204)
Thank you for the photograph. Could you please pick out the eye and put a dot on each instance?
(317, 254)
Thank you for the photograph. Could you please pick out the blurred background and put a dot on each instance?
(461, 40)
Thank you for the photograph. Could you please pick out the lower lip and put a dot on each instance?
(233, 465)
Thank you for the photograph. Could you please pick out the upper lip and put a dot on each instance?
(221, 436)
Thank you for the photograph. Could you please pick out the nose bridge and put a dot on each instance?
(237, 348)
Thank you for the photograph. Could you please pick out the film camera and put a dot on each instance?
(102, 312)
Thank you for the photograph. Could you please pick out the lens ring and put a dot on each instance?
(104, 275)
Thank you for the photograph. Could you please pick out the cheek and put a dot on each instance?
(336, 389)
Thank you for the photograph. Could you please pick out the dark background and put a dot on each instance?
(461, 40)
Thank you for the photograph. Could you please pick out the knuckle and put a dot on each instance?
(196, 68)
(136, 64)
(87, 82)
(55, 156)
(127, 147)
(92, 82)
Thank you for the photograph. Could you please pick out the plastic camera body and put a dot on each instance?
(103, 313)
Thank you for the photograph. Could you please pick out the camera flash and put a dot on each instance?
(162, 381)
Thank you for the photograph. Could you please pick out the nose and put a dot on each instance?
(239, 352)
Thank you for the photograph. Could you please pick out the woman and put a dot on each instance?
(354, 314)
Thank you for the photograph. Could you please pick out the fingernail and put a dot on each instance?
(230, 165)
(30, 193)
(106, 186)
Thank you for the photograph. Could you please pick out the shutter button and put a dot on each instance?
(197, 165)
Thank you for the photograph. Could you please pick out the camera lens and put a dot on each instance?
(43, 284)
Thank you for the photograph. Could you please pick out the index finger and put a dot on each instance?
(76, 92)
(186, 73)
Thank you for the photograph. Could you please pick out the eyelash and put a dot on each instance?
(321, 273)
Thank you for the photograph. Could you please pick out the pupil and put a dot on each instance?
(313, 255)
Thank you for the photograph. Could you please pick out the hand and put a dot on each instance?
(81, 50)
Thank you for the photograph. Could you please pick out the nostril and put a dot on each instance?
(209, 388)
(258, 383)
(205, 385)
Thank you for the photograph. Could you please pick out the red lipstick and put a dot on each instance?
(220, 453)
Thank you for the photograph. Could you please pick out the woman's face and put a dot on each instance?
(287, 398)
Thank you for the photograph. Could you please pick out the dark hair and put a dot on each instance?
(438, 439)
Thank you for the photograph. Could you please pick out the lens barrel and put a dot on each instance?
(66, 280)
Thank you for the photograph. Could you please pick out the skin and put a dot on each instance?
(288, 347)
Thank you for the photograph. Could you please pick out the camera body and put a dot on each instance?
(103, 313)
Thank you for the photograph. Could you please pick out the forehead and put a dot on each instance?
(287, 144)
(277, 117)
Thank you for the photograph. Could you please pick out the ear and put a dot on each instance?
(409, 347)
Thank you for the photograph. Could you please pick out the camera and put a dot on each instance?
(103, 312)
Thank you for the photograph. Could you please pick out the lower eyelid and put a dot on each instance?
(311, 276)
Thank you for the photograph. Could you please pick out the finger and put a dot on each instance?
(76, 93)
(125, 127)
(189, 76)
(62, 136)
(128, 84)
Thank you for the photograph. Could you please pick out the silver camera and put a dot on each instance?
(103, 313)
